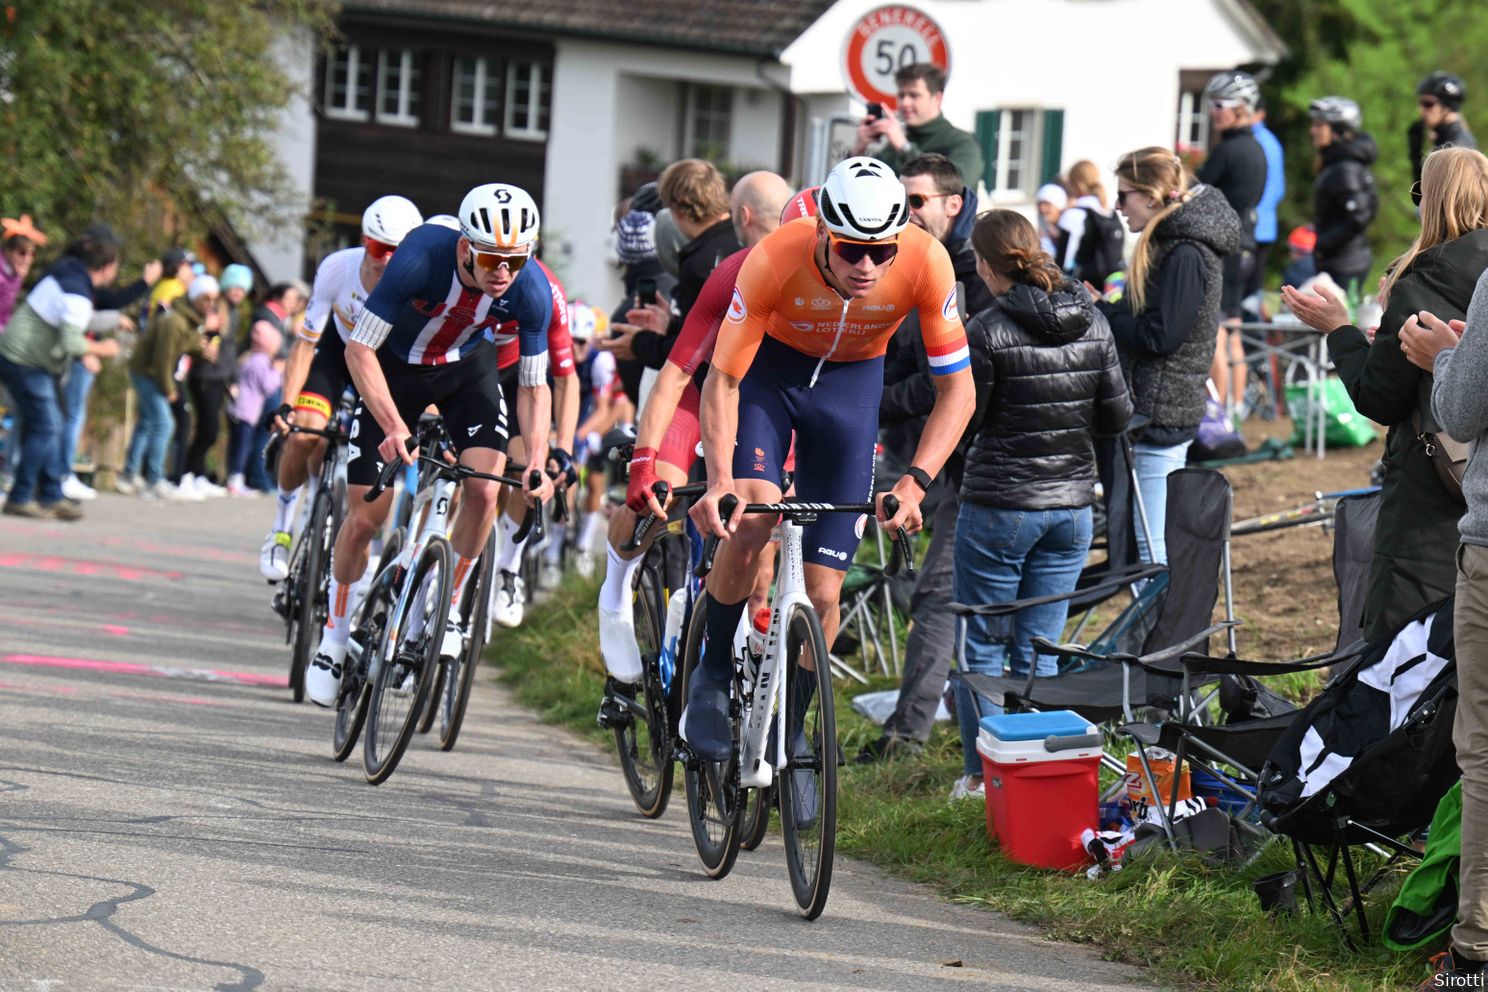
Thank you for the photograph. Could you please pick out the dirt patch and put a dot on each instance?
(1283, 580)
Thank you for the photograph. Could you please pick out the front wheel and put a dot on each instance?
(643, 741)
(808, 787)
(713, 807)
(368, 624)
(475, 613)
(410, 657)
(311, 579)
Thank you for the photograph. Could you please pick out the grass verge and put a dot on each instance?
(1195, 926)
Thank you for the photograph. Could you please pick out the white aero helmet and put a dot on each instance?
(444, 220)
(498, 215)
(390, 218)
(862, 199)
(581, 322)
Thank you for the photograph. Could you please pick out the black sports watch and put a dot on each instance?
(920, 476)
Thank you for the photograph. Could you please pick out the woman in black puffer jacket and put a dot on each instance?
(1047, 380)
(1344, 199)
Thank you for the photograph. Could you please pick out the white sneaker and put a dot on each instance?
(73, 488)
(181, 494)
(453, 644)
(584, 564)
(549, 576)
(511, 600)
(127, 485)
(208, 488)
(323, 676)
(273, 557)
(617, 645)
(963, 790)
(237, 487)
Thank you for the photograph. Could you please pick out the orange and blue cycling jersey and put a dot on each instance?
(781, 294)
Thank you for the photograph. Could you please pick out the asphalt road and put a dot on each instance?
(170, 820)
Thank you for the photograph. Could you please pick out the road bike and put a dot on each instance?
(1317, 512)
(792, 677)
(302, 599)
(398, 629)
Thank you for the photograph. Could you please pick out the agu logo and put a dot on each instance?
(947, 309)
(737, 311)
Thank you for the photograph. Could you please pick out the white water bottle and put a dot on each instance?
(676, 607)
(758, 629)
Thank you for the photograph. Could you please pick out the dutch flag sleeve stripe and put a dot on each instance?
(949, 358)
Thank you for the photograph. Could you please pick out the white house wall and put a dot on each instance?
(281, 251)
(600, 107)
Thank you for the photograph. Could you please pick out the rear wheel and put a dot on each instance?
(643, 742)
(713, 807)
(458, 680)
(400, 687)
(756, 824)
(310, 591)
(808, 788)
(370, 622)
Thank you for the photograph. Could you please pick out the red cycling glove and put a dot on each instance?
(642, 477)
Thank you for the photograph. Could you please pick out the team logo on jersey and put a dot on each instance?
(800, 301)
(948, 308)
(821, 303)
(804, 326)
(737, 311)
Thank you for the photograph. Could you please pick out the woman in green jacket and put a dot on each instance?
(1416, 537)
(190, 327)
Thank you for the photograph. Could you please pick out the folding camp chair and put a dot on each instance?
(870, 616)
(1256, 717)
(1109, 686)
(1367, 761)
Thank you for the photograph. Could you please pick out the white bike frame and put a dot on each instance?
(436, 500)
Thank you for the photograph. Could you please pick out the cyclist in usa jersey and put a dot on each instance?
(801, 351)
(421, 340)
(667, 434)
(316, 375)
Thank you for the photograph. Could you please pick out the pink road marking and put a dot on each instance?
(79, 566)
(118, 630)
(156, 671)
(162, 697)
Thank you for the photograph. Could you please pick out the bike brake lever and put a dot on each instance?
(389, 473)
(902, 556)
(662, 490)
(726, 507)
(532, 522)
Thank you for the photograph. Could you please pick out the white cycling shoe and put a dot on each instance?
(453, 645)
(323, 676)
(617, 645)
(511, 600)
(273, 557)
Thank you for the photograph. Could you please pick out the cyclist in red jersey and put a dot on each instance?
(801, 351)
(668, 433)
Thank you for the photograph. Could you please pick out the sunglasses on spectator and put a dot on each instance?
(1429, 104)
(1223, 104)
(378, 249)
(853, 252)
(493, 260)
(917, 201)
(1122, 194)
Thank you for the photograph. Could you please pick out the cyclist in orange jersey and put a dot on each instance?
(802, 350)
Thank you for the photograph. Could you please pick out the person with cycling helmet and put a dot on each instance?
(1439, 99)
(1236, 166)
(1344, 198)
(422, 339)
(315, 375)
(801, 349)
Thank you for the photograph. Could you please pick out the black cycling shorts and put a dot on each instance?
(327, 379)
(467, 393)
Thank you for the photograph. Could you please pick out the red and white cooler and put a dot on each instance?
(1042, 779)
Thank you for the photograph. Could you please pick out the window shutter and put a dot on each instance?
(1053, 150)
(987, 124)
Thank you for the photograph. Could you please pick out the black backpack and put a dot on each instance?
(1102, 248)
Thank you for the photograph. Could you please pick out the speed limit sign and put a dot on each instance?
(884, 41)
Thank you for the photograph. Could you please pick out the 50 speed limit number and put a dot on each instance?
(884, 41)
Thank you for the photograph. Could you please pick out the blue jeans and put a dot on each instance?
(152, 433)
(75, 392)
(39, 472)
(1154, 464)
(239, 445)
(1002, 556)
(258, 474)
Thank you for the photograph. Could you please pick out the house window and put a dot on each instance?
(528, 100)
(1015, 164)
(1193, 122)
(476, 96)
(348, 88)
(710, 120)
(397, 87)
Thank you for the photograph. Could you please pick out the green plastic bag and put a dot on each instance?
(1344, 426)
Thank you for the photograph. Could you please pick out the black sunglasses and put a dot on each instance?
(918, 200)
(1122, 194)
(853, 252)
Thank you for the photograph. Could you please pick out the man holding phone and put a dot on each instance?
(924, 129)
(694, 192)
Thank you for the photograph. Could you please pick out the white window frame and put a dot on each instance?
(1193, 119)
(1031, 153)
(692, 116)
(534, 101)
(485, 77)
(346, 110)
(405, 115)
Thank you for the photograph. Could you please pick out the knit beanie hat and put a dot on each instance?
(237, 276)
(635, 237)
(201, 286)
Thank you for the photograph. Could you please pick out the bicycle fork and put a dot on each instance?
(767, 696)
